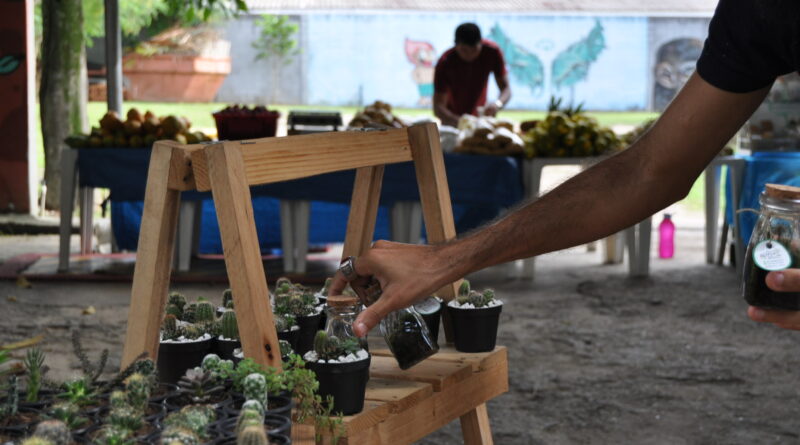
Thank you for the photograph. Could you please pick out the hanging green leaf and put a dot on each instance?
(572, 65)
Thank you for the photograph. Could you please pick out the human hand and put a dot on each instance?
(407, 273)
(491, 110)
(787, 280)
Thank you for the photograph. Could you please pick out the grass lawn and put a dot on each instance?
(200, 116)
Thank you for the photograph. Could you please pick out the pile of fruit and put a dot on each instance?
(488, 136)
(237, 122)
(567, 132)
(137, 131)
(379, 113)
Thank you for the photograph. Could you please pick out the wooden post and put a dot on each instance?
(242, 254)
(363, 210)
(153, 256)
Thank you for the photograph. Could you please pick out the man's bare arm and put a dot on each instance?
(654, 172)
(505, 95)
(440, 110)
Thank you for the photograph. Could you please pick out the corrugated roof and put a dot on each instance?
(655, 7)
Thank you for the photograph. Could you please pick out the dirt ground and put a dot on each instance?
(595, 357)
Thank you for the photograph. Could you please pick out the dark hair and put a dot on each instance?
(468, 34)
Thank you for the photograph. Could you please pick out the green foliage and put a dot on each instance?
(177, 299)
(276, 38)
(54, 431)
(113, 435)
(174, 310)
(169, 328)
(194, 10)
(11, 404)
(194, 418)
(464, 289)
(34, 359)
(227, 299)
(125, 417)
(283, 322)
(79, 392)
(204, 312)
(220, 369)
(91, 372)
(145, 367)
(137, 387)
(229, 328)
(330, 347)
(285, 347)
(189, 312)
(133, 16)
(252, 435)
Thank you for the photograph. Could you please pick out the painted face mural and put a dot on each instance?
(675, 62)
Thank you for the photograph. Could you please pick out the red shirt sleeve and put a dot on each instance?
(439, 76)
(499, 68)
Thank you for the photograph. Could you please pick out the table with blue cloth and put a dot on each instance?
(761, 168)
(480, 188)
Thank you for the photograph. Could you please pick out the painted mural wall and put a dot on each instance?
(607, 62)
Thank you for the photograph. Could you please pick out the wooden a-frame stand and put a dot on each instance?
(401, 406)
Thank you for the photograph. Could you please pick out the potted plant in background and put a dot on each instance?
(183, 346)
(342, 369)
(301, 304)
(475, 317)
(431, 311)
(228, 339)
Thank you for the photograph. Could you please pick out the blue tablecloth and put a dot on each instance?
(762, 168)
(480, 188)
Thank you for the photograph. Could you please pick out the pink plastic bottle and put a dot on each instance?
(666, 237)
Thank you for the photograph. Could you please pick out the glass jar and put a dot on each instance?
(404, 330)
(774, 245)
(341, 313)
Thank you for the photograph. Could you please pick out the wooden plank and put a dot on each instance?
(242, 254)
(397, 394)
(183, 176)
(363, 210)
(432, 413)
(440, 375)
(303, 434)
(478, 361)
(271, 160)
(475, 427)
(437, 210)
(153, 257)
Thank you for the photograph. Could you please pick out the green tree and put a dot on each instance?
(276, 42)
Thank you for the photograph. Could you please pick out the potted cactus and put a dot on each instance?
(200, 386)
(192, 424)
(227, 302)
(342, 369)
(298, 302)
(475, 317)
(228, 339)
(183, 346)
(288, 329)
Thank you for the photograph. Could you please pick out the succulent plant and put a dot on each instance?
(169, 328)
(210, 362)
(137, 387)
(464, 288)
(78, 391)
(326, 287)
(118, 399)
(145, 367)
(173, 309)
(177, 299)
(227, 299)
(329, 347)
(204, 312)
(189, 312)
(285, 347)
(283, 322)
(252, 435)
(283, 281)
(193, 331)
(36, 441)
(179, 436)
(54, 431)
(113, 435)
(34, 359)
(220, 369)
(67, 412)
(253, 405)
(194, 418)
(11, 405)
(125, 417)
(199, 385)
(477, 299)
(247, 418)
(254, 387)
(91, 372)
(229, 328)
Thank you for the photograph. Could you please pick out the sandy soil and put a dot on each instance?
(595, 357)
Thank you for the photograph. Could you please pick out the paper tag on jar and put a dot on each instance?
(772, 255)
(427, 306)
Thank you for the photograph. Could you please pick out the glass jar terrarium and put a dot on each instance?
(341, 313)
(774, 245)
(404, 330)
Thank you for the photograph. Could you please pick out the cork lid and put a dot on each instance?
(782, 191)
(342, 300)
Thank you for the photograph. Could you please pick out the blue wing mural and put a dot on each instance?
(525, 66)
(572, 65)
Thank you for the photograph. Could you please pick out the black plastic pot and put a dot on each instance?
(165, 390)
(346, 382)
(323, 319)
(290, 336)
(274, 439)
(20, 429)
(309, 326)
(175, 358)
(45, 398)
(178, 401)
(475, 330)
(224, 348)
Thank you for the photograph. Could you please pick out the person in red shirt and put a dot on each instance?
(462, 77)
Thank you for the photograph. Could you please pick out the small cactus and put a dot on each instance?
(281, 323)
(327, 347)
(169, 328)
(247, 418)
(252, 435)
(189, 312)
(11, 405)
(227, 298)
(138, 389)
(194, 418)
(255, 388)
(228, 325)
(210, 362)
(193, 331)
(464, 289)
(55, 431)
(145, 367)
(179, 436)
(204, 312)
(37, 441)
(67, 412)
(113, 435)
(285, 347)
(125, 418)
(173, 309)
(177, 299)
(253, 405)
(488, 295)
(118, 399)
